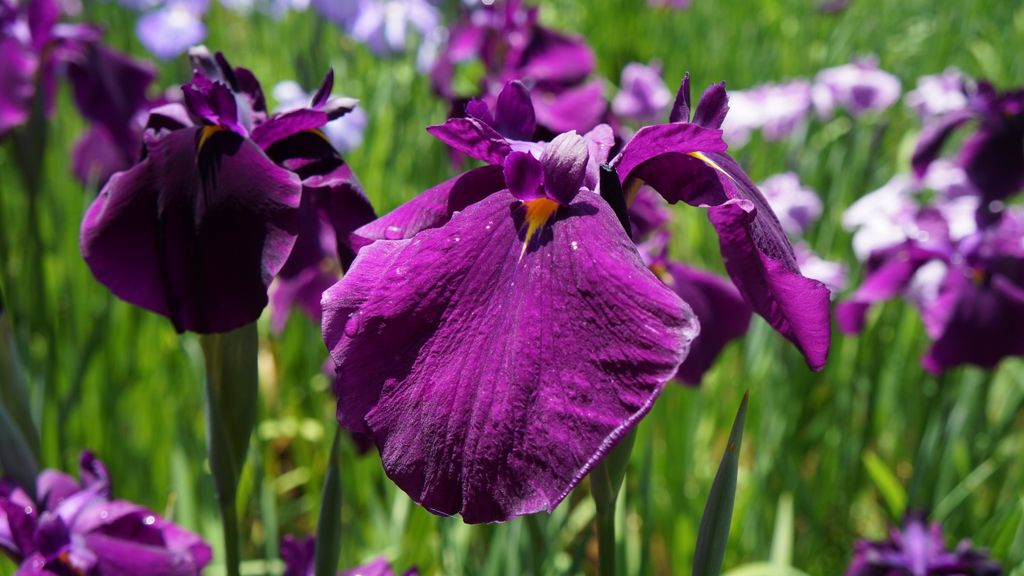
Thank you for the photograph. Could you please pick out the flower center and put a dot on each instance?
(538, 212)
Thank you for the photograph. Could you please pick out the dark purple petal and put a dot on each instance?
(994, 159)
(196, 240)
(681, 107)
(678, 138)
(524, 176)
(933, 137)
(324, 92)
(712, 108)
(434, 207)
(378, 567)
(110, 89)
(18, 515)
(472, 137)
(983, 326)
(282, 126)
(648, 212)
(491, 377)
(340, 198)
(565, 166)
(213, 102)
(721, 311)
(478, 109)
(513, 114)
(97, 156)
(298, 555)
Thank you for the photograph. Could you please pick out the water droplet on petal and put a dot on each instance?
(574, 245)
(393, 233)
(354, 325)
(149, 520)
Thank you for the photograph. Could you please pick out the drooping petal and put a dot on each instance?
(197, 241)
(686, 162)
(110, 89)
(721, 311)
(474, 138)
(492, 378)
(434, 207)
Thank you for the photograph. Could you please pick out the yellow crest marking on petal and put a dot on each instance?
(632, 188)
(703, 158)
(204, 135)
(320, 133)
(538, 212)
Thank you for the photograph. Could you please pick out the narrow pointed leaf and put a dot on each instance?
(20, 441)
(328, 526)
(714, 525)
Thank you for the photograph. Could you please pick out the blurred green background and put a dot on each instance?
(827, 457)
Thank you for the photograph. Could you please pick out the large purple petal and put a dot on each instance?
(434, 207)
(721, 311)
(493, 378)
(555, 57)
(473, 137)
(196, 240)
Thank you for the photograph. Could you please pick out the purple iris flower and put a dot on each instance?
(172, 27)
(919, 549)
(938, 95)
(200, 226)
(993, 156)
(507, 40)
(643, 95)
(687, 161)
(110, 91)
(502, 332)
(34, 44)
(969, 286)
(299, 554)
(76, 528)
(858, 87)
(774, 109)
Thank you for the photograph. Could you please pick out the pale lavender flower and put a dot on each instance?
(775, 109)
(938, 95)
(858, 87)
(383, 25)
(172, 28)
(796, 206)
(832, 274)
(643, 95)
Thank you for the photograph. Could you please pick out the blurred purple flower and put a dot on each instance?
(34, 44)
(509, 43)
(225, 180)
(76, 528)
(643, 95)
(797, 207)
(299, 555)
(274, 8)
(858, 87)
(775, 109)
(687, 161)
(938, 95)
(383, 25)
(968, 282)
(174, 26)
(832, 274)
(918, 549)
(992, 156)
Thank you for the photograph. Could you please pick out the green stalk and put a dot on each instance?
(605, 482)
(231, 388)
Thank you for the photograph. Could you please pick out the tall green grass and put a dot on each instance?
(827, 457)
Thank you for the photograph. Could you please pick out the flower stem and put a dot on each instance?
(605, 482)
(231, 388)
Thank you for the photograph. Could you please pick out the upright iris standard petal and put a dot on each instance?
(493, 378)
(687, 162)
(196, 238)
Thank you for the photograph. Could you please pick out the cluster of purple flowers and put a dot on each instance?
(71, 527)
(945, 238)
(298, 555)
